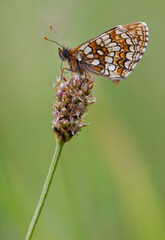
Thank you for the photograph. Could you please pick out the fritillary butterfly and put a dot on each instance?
(113, 54)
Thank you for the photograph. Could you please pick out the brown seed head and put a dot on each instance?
(72, 100)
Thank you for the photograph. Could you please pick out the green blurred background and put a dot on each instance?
(110, 181)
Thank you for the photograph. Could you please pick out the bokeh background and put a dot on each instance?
(110, 181)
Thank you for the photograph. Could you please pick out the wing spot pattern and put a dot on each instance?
(115, 53)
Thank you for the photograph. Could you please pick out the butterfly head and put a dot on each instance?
(63, 53)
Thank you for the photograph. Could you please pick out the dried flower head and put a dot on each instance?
(72, 100)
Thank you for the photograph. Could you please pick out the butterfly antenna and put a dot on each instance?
(50, 26)
(52, 41)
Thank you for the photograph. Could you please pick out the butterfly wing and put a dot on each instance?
(114, 53)
(140, 31)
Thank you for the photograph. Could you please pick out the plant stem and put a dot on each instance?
(45, 189)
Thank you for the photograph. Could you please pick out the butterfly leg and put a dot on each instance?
(85, 71)
(62, 75)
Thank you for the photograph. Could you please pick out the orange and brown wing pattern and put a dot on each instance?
(140, 31)
(113, 54)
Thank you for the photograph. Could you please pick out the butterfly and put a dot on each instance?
(112, 54)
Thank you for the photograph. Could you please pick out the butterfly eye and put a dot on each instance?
(65, 54)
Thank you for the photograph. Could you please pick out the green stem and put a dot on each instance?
(45, 189)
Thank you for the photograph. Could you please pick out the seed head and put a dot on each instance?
(72, 100)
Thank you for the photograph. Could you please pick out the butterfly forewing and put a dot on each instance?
(114, 53)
